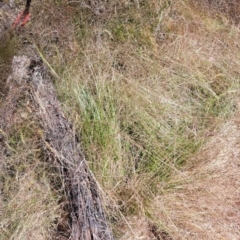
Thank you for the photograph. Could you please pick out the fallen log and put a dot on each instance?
(87, 218)
(87, 215)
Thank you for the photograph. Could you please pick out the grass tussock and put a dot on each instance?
(145, 83)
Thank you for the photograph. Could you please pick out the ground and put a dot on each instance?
(151, 88)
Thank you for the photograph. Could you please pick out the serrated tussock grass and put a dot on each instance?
(145, 83)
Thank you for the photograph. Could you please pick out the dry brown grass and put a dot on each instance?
(146, 83)
(203, 202)
(30, 205)
(227, 8)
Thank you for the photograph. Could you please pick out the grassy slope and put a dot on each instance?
(145, 83)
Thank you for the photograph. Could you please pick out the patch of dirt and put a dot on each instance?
(204, 201)
(159, 234)
(141, 228)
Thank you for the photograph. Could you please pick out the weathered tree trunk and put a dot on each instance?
(88, 220)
